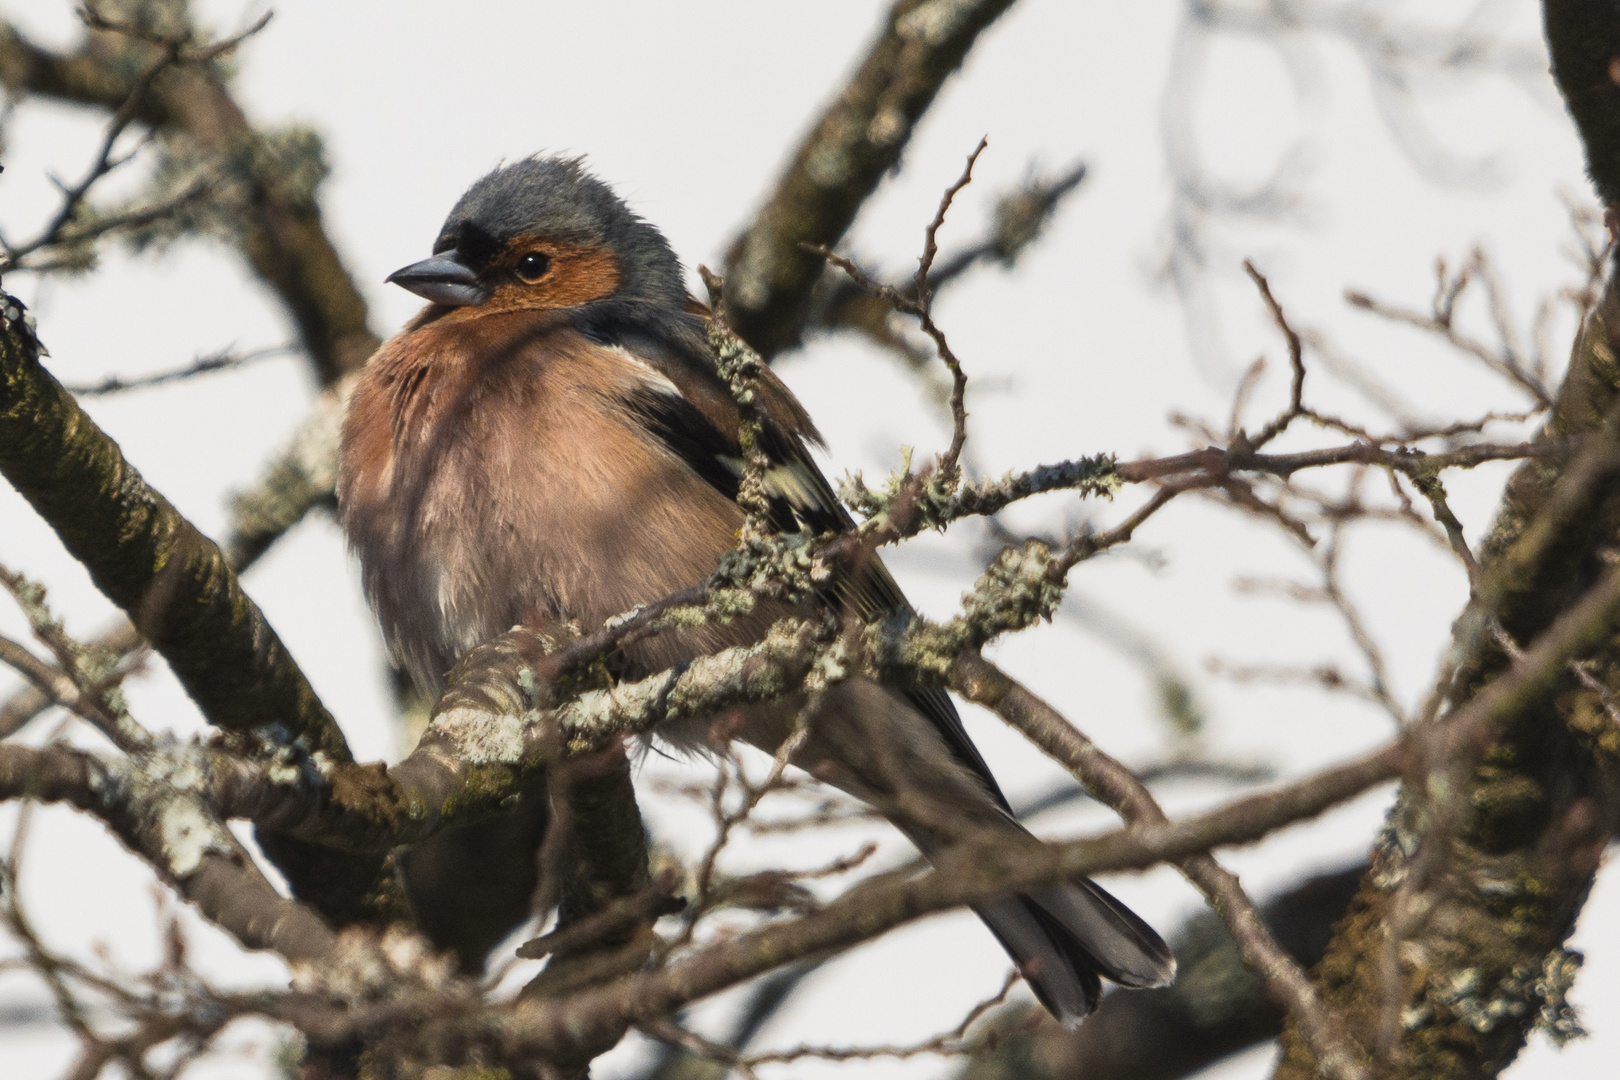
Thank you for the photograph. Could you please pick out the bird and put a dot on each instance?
(548, 443)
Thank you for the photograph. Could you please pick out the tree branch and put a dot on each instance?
(175, 586)
(281, 236)
(178, 837)
(1484, 865)
(172, 581)
(981, 682)
(1584, 40)
(769, 275)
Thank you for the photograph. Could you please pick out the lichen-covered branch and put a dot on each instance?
(300, 479)
(172, 581)
(769, 274)
(157, 813)
(276, 225)
(395, 995)
(176, 588)
(28, 702)
(1454, 947)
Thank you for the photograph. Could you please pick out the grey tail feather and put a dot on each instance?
(1066, 937)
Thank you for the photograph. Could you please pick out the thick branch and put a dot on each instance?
(297, 481)
(177, 837)
(171, 580)
(1584, 39)
(282, 239)
(1454, 946)
(769, 275)
(176, 588)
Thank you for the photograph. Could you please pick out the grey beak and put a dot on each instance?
(443, 279)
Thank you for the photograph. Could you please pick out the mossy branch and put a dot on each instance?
(769, 273)
(176, 587)
(173, 582)
(1492, 845)
(276, 224)
(298, 480)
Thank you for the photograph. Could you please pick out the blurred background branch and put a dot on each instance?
(261, 193)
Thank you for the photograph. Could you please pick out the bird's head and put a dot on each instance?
(544, 233)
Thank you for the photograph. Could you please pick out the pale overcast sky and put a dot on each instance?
(689, 110)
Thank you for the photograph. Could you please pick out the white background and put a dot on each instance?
(689, 110)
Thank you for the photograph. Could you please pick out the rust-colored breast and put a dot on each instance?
(490, 478)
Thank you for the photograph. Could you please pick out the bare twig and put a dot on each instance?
(1296, 361)
(225, 360)
(280, 236)
(1505, 360)
(945, 1044)
(917, 301)
(769, 271)
(172, 52)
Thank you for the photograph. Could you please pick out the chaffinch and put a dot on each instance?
(548, 441)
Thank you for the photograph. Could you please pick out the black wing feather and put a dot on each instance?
(683, 430)
(874, 593)
(808, 503)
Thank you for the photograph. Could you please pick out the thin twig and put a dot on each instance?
(225, 360)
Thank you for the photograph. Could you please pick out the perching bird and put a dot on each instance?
(548, 442)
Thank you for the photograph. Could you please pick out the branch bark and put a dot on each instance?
(283, 239)
(178, 591)
(297, 481)
(1584, 42)
(177, 837)
(769, 274)
(173, 582)
(1454, 947)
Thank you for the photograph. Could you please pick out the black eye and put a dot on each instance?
(533, 266)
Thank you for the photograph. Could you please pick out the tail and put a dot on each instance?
(1066, 938)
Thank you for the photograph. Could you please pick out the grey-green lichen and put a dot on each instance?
(937, 501)
(1019, 588)
(482, 736)
(1537, 990)
(224, 178)
(763, 671)
(366, 966)
(97, 669)
(723, 604)
(164, 790)
(781, 565)
(831, 666)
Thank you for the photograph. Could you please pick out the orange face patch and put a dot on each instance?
(576, 274)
